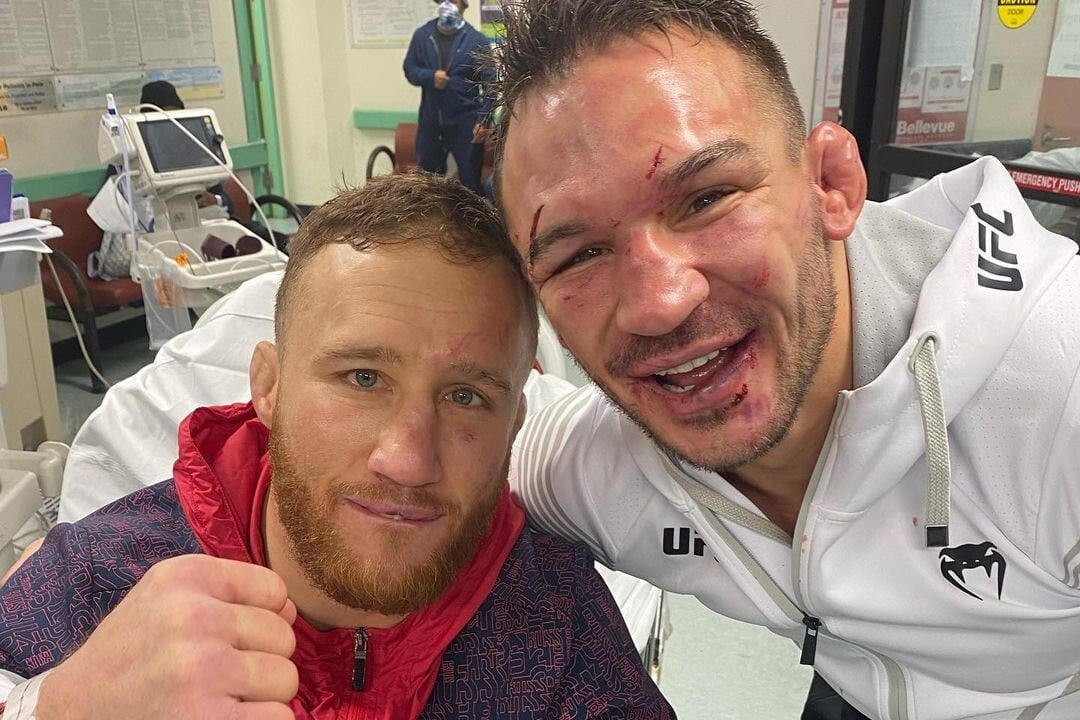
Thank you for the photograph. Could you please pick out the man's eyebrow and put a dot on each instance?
(726, 150)
(377, 353)
(721, 151)
(544, 241)
(476, 373)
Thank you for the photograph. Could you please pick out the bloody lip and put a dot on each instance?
(407, 516)
(645, 369)
(715, 387)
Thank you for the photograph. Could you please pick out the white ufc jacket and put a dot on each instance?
(967, 342)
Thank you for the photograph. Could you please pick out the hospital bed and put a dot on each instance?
(130, 440)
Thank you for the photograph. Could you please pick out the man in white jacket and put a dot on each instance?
(856, 424)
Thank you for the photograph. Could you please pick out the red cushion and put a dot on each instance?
(404, 148)
(81, 237)
(114, 292)
(241, 204)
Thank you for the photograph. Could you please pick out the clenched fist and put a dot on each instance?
(197, 637)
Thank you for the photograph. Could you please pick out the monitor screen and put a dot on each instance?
(171, 150)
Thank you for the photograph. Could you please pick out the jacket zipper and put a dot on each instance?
(809, 643)
(360, 650)
(813, 624)
(436, 46)
(897, 691)
(455, 48)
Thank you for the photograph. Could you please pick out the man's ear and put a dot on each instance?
(263, 375)
(837, 171)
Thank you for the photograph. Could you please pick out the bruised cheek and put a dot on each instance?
(742, 248)
(762, 276)
(568, 298)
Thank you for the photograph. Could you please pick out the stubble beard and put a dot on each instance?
(797, 364)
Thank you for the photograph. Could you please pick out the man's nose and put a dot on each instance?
(657, 283)
(406, 450)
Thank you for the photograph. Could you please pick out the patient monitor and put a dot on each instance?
(174, 169)
(173, 157)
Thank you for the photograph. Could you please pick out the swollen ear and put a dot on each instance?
(837, 170)
(263, 375)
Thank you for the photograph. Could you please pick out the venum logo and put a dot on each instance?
(998, 270)
(684, 541)
(956, 560)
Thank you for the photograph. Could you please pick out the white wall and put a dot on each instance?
(319, 80)
(793, 25)
(62, 141)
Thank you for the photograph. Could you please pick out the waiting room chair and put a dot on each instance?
(243, 211)
(403, 156)
(89, 297)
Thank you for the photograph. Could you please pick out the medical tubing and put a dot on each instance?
(110, 104)
(185, 248)
(75, 323)
(117, 196)
(216, 159)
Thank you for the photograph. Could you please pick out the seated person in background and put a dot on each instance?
(345, 544)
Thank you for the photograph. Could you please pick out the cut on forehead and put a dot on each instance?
(547, 39)
(334, 277)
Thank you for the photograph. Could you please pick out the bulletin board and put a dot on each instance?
(58, 55)
(387, 23)
(52, 136)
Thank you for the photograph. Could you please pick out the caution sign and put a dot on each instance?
(1016, 13)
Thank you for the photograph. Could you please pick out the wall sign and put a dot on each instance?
(1047, 183)
(1016, 13)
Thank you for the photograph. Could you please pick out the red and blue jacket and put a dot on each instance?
(527, 631)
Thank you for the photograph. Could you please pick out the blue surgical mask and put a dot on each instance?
(450, 20)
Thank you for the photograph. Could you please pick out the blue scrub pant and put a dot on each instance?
(435, 142)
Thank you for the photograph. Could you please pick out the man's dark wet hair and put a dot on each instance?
(545, 39)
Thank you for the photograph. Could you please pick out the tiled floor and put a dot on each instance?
(73, 380)
(720, 669)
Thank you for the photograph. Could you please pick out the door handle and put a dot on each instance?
(1048, 138)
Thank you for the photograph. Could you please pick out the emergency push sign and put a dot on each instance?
(1016, 13)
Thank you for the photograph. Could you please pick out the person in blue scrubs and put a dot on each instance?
(446, 60)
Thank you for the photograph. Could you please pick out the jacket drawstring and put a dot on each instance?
(923, 364)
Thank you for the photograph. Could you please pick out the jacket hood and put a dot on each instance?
(222, 476)
(993, 266)
(997, 266)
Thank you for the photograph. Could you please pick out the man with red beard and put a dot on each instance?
(345, 544)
